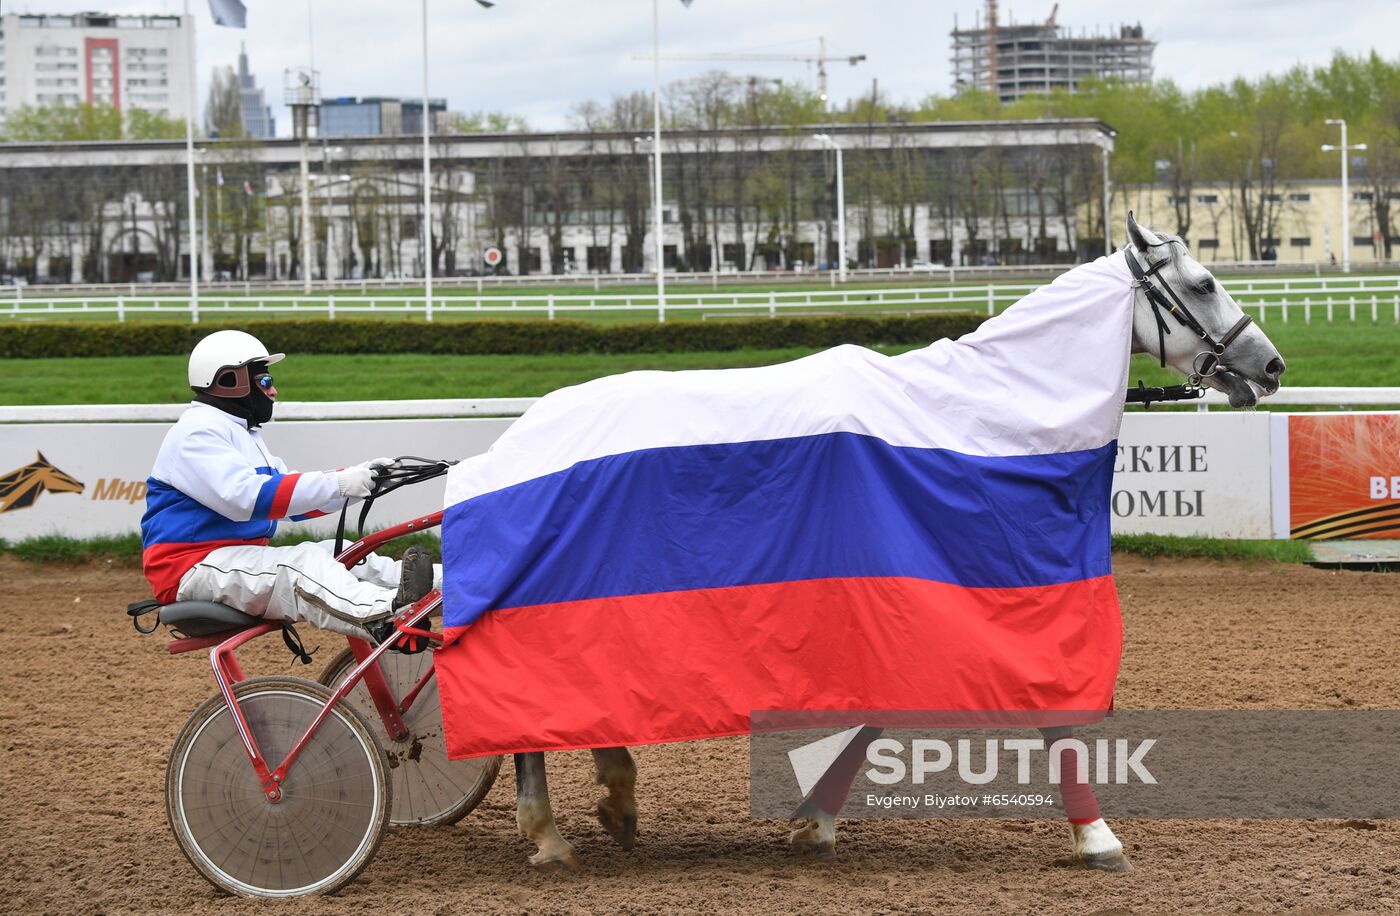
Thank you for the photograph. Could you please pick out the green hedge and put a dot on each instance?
(351, 335)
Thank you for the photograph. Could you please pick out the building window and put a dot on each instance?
(1207, 198)
(1207, 244)
(1300, 241)
(1361, 196)
(1273, 198)
(408, 227)
(733, 255)
(530, 260)
(1300, 197)
(1175, 199)
(1269, 242)
(1364, 241)
(599, 258)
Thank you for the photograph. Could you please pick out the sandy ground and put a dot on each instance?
(88, 711)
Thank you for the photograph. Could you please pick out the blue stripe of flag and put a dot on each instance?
(833, 505)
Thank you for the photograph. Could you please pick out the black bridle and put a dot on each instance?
(1207, 362)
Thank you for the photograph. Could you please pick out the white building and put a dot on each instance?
(125, 61)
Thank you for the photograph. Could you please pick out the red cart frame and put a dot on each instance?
(228, 672)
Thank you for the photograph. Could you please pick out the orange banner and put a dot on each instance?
(1344, 475)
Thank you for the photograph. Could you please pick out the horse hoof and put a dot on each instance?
(1113, 862)
(806, 842)
(556, 863)
(621, 827)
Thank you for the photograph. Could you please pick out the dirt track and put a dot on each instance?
(88, 711)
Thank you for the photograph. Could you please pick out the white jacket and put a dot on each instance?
(215, 484)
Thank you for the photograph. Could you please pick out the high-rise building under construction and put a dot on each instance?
(1012, 59)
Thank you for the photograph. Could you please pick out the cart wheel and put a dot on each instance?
(334, 806)
(429, 789)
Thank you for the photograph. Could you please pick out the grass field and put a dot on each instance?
(1318, 354)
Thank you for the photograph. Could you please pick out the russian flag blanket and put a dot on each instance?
(651, 556)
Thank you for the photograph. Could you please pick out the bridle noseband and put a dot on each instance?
(1207, 362)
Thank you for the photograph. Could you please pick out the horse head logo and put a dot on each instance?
(20, 488)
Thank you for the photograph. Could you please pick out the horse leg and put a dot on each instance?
(617, 812)
(536, 820)
(817, 835)
(1095, 846)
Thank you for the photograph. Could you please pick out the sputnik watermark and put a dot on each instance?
(1138, 763)
(892, 761)
(1116, 761)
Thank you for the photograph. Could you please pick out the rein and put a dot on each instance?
(405, 471)
(1161, 296)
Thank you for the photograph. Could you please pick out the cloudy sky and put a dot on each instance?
(538, 58)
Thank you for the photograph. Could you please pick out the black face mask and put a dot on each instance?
(254, 408)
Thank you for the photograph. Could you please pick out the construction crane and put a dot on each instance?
(820, 59)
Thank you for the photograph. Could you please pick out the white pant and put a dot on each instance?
(302, 582)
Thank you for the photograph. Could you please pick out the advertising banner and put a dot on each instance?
(1200, 474)
(88, 479)
(1343, 475)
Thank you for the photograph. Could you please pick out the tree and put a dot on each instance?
(485, 122)
(223, 112)
(63, 123)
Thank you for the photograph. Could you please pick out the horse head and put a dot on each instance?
(54, 480)
(1250, 366)
(21, 487)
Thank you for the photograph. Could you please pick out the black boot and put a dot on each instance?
(415, 577)
(415, 581)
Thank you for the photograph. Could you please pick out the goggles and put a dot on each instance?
(263, 381)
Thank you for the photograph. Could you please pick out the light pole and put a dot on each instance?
(328, 204)
(1346, 189)
(656, 153)
(189, 166)
(204, 259)
(840, 203)
(1107, 233)
(427, 233)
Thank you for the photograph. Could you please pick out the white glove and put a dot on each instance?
(355, 482)
(376, 463)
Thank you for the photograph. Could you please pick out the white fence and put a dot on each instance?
(1351, 298)
(598, 280)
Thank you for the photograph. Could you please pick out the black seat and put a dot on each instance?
(204, 618)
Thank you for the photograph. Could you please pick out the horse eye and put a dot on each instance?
(1205, 287)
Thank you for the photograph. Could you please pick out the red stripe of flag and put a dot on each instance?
(643, 669)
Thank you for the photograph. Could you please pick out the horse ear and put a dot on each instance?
(1142, 239)
(39, 457)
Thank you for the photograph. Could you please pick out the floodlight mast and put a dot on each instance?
(827, 140)
(1344, 149)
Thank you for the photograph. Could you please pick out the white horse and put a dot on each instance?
(1183, 318)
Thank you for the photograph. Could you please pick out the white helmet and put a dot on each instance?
(224, 350)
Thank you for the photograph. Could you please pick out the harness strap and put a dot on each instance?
(1178, 309)
(292, 638)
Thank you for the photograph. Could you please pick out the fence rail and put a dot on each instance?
(453, 408)
(1373, 298)
(941, 274)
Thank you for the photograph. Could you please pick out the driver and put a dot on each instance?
(216, 494)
